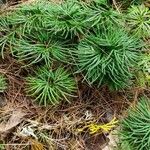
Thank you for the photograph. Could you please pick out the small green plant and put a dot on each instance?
(135, 128)
(68, 19)
(28, 17)
(51, 86)
(142, 79)
(41, 47)
(143, 74)
(100, 15)
(107, 57)
(138, 19)
(144, 62)
(3, 84)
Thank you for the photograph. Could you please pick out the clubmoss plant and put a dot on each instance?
(107, 57)
(144, 62)
(68, 19)
(51, 86)
(138, 19)
(63, 20)
(143, 72)
(3, 84)
(142, 79)
(28, 17)
(135, 128)
(100, 16)
(40, 47)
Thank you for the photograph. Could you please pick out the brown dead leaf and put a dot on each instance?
(14, 120)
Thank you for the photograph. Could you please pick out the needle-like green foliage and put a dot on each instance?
(31, 16)
(68, 19)
(138, 19)
(40, 47)
(143, 73)
(3, 84)
(100, 16)
(65, 19)
(42, 32)
(51, 86)
(23, 20)
(142, 79)
(107, 57)
(144, 62)
(135, 128)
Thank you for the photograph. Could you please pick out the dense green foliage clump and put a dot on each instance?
(24, 20)
(138, 19)
(102, 16)
(45, 50)
(135, 128)
(106, 57)
(68, 19)
(50, 86)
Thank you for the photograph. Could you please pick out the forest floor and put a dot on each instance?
(21, 117)
(25, 125)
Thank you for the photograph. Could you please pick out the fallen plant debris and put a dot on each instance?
(48, 126)
(14, 120)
